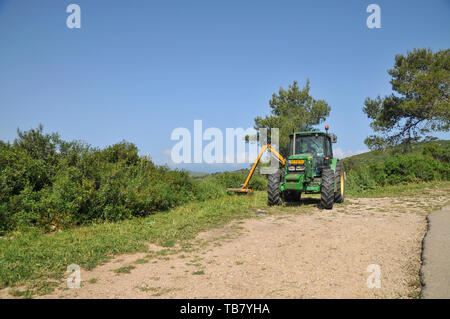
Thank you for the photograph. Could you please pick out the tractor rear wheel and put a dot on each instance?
(339, 194)
(327, 189)
(273, 189)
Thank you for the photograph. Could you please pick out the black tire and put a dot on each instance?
(327, 189)
(273, 189)
(291, 196)
(339, 194)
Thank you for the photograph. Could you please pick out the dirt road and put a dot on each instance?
(290, 252)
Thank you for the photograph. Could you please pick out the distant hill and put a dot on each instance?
(197, 174)
(378, 156)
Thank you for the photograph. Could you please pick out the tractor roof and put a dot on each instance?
(309, 133)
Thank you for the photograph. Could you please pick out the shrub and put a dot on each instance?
(437, 152)
(51, 184)
(360, 180)
(430, 165)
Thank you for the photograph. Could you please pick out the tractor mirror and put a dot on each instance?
(333, 138)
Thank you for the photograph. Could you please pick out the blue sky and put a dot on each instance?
(136, 70)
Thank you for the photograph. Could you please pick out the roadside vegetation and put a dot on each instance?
(373, 171)
(50, 184)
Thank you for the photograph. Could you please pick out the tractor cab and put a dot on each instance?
(314, 146)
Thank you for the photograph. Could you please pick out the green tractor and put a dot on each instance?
(310, 168)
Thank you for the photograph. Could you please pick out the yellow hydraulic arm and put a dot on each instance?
(243, 188)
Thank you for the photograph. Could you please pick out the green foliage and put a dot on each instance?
(378, 156)
(236, 179)
(359, 180)
(437, 151)
(292, 109)
(52, 184)
(431, 164)
(422, 79)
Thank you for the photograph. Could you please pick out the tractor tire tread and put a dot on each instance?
(273, 189)
(327, 189)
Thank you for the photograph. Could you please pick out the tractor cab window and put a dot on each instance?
(328, 149)
(308, 144)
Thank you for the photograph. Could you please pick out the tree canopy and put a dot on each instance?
(293, 109)
(421, 79)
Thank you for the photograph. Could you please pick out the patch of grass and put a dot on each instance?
(145, 288)
(158, 291)
(162, 252)
(40, 287)
(29, 256)
(141, 261)
(198, 272)
(414, 294)
(26, 294)
(124, 269)
(414, 284)
(168, 243)
(239, 262)
(162, 291)
(92, 280)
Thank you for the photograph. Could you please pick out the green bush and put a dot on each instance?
(438, 152)
(51, 184)
(430, 165)
(360, 180)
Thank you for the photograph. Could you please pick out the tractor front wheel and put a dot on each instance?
(273, 189)
(327, 189)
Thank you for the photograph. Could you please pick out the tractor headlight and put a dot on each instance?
(291, 168)
(300, 168)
